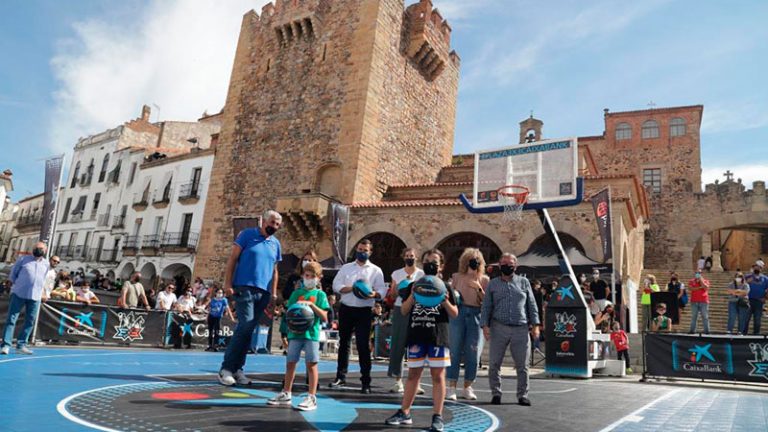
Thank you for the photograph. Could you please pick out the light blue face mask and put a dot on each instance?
(697, 275)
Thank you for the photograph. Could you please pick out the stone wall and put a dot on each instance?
(323, 83)
(741, 249)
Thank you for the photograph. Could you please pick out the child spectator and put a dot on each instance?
(64, 290)
(376, 320)
(85, 295)
(621, 342)
(217, 306)
(186, 303)
(311, 294)
(661, 323)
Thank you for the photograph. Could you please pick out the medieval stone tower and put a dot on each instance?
(329, 100)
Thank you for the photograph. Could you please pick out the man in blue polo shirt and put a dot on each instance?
(28, 277)
(758, 284)
(251, 279)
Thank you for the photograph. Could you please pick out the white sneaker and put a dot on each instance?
(24, 350)
(308, 404)
(451, 394)
(226, 378)
(397, 387)
(420, 390)
(5, 350)
(283, 398)
(241, 379)
(469, 394)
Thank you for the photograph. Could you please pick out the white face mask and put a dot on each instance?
(738, 280)
(219, 295)
(647, 281)
(311, 283)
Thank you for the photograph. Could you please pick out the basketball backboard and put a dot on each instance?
(549, 169)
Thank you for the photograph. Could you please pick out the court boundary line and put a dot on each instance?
(634, 414)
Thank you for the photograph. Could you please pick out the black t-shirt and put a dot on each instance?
(538, 295)
(599, 288)
(674, 287)
(429, 325)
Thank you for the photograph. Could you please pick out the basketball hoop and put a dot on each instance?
(513, 198)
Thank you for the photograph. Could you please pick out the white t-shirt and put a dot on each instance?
(186, 303)
(50, 279)
(165, 300)
(88, 295)
(351, 272)
(700, 264)
(400, 274)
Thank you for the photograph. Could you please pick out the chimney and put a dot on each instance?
(145, 113)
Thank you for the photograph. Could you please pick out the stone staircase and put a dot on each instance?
(718, 299)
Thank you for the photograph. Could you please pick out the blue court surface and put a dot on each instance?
(80, 389)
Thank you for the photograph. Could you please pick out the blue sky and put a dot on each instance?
(75, 68)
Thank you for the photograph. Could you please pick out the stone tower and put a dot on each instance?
(329, 100)
(530, 129)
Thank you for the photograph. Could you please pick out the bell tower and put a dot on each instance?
(530, 129)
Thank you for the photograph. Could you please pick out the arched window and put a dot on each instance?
(453, 246)
(104, 166)
(74, 177)
(387, 252)
(623, 131)
(650, 129)
(677, 127)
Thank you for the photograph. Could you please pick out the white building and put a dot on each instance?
(93, 221)
(8, 218)
(26, 230)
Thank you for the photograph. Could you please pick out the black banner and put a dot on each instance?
(79, 322)
(566, 336)
(601, 202)
(339, 232)
(724, 358)
(52, 178)
(182, 330)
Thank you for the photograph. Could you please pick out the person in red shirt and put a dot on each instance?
(699, 289)
(621, 342)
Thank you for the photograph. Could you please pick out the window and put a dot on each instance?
(133, 173)
(104, 165)
(80, 206)
(650, 129)
(623, 131)
(96, 200)
(114, 176)
(652, 179)
(74, 177)
(66, 210)
(677, 127)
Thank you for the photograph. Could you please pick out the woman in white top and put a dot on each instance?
(166, 298)
(399, 321)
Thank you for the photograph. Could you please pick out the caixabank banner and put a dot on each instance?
(566, 334)
(726, 358)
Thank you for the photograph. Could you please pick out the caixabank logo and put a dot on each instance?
(83, 323)
(702, 358)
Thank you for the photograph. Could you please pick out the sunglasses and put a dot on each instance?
(55, 262)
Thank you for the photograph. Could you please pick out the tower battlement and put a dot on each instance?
(429, 39)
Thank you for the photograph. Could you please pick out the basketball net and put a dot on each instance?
(513, 199)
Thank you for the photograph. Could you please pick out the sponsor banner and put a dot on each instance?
(601, 204)
(339, 233)
(183, 329)
(52, 179)
(566, 335)
(78, 322)
(726, 358)
(382, 338)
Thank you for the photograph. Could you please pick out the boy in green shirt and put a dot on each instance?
(311, 294)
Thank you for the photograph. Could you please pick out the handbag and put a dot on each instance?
(684, 298)
(743, 303)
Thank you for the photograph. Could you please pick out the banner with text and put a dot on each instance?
(724, 358)
(601, 202)
(79, 322)
(183, 329)
(52, 178)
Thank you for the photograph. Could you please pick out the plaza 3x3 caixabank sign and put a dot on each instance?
(737, 358)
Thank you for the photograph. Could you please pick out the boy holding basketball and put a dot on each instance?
(428, 307)
(310, 293)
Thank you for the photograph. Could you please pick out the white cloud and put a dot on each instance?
(747, 174)
(175, 53)
(457, 11)
(734, 117)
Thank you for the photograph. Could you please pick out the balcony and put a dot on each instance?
(85, 179)
(189, 193)
(140, 201)
(76, 218)
(29, 221)
(150, 245)
(118, 222)
(78, 251)
(131, 245)
(103, 220)
(162, 198)
(62, 251)
(180, 241)
(108, 256)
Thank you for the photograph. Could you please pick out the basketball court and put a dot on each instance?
(65, 389)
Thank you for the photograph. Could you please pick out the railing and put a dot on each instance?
(189, 190)
(108, 255)
(162, 197)
(103, 220)
(131, 242)
(62, 251)
(85, 180)
(180, 240)
(93, 254)
(78, 252)
(140, 199)
(76, 217)
(29, 220)
(118, 222)
(151, 241)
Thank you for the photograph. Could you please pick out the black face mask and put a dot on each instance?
(270, 230)
(507, 270)
(474, 264)
(409, 262)
(38, 252)
(430, 268)
(756, 271)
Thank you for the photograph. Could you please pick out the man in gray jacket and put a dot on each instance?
(508, 315)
